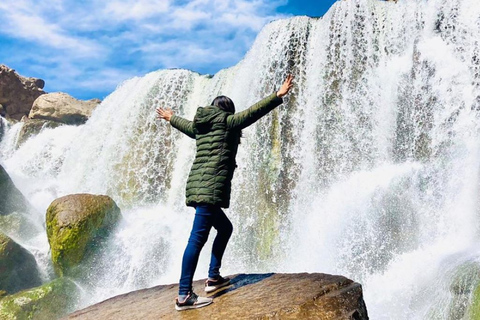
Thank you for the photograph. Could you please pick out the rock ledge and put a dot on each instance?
(250, 296)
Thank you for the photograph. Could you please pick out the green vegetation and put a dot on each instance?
(50, 301)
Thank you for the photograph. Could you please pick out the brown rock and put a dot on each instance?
(17, 93)
(63, 108)
(260, 296)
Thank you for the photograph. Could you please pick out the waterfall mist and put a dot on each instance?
(370, 168)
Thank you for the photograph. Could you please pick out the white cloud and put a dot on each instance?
(114, 39)
(135, 9)
(21, 20)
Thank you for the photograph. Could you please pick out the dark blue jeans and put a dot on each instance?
(206, 217)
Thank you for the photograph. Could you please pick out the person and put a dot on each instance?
(217, 131)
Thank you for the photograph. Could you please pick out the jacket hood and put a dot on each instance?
(206, 117)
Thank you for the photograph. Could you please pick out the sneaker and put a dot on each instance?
(212, 285)
(192, 302)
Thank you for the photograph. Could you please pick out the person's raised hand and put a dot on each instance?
(164, 113)
(286, 86)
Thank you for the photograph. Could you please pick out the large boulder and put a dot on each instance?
(75, 225)
(50, 301)
(18, 268)
(11, 199)
(18, 93)
(254, 296)
(63, 108)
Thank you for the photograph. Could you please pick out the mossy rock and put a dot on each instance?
(465, 278)
(18, 268)
(47, 302)
(11, 199)
(474, 310)
(464, 286)
(75, 226)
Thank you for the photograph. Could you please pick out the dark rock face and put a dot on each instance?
(11, 199)
(254, 296)
(18, 93)
(2, 124)
(74, 223)
(18, 268)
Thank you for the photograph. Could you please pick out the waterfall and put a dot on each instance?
(370, 168)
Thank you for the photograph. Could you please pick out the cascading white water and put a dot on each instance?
(370, 169)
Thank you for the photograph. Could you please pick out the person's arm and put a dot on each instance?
(245, 118)
(183, 125)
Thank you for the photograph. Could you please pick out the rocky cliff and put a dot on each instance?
(17, 93)
(250, 296)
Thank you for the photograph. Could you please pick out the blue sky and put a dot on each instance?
(86, 48)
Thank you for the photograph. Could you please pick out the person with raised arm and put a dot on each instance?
(217, 131)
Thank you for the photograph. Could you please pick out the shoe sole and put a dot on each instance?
(195, 306)
(215, 288)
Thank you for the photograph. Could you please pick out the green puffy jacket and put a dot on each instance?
(217, 134)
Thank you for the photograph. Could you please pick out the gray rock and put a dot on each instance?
(18, 268)
(32, 127)
(11, 199)
(17, 93)
(2, 126)
(17, 225)
(63, 108)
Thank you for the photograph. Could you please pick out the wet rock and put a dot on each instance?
(18, 93)
(75, 225)
(11, 199)
(3, 125)
(465, 281)
(63, 108)
(47, 302)
(474, 309)
(250, 296)
(32, 127)
(18, 268)
(17, 225)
